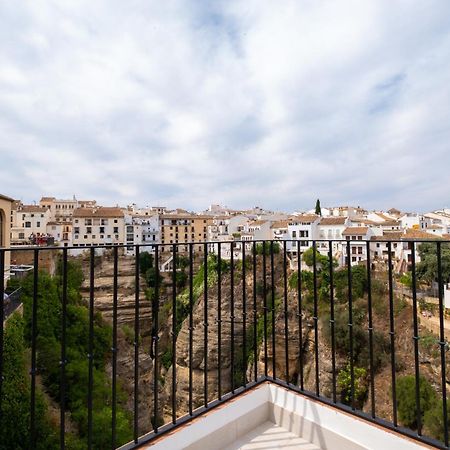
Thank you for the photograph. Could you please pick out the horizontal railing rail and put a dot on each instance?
(323, 320)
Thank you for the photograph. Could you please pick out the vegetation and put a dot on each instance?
(16, 392)
(360, 385)
(406, 399)
(318, 210)
(427, 268)
(77, 347)
(260, 248)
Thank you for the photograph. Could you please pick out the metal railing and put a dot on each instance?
(257, 303)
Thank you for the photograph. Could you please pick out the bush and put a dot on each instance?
(433, 420)
(406, 399)
(360, 385)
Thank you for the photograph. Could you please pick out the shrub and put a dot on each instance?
(406, 399)
(360, 385)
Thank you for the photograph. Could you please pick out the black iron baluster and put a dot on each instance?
(392, 333)
(174, 334)
(265, 307)
(136, 345)
(2, 317)
(232, 316)
(114, 348)
(62, 402)
(286, 329)
(205, 324)
(244, 317)
(191, 322)
(272, 290)
(350, 325)
(300, 313)
(91, 344)
(442, 342)
(332, 324)
(370, 330)
(416, 338)
(255, 323)
(34, 332)
(315, 319)
(219, 321)
(155, 339)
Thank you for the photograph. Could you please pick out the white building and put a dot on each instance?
(98, 226)
(358, 250)
(302, 228)
(28, 224)
(141, 230)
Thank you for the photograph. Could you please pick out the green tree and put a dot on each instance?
(318, 208)
(406, 399)
(145, 262)
(15, 405)
(427, 268)
(322, 261)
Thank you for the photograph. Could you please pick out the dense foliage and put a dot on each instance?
(49, 313)
(16, 392)
(406, 399)
(427, 268)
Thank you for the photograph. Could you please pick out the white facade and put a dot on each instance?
(28, 222)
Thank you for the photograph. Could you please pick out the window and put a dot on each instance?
(115, 220)
(27, 224)
(116, 230)
(21, 235)
(88, 221)
(76, 230)
(38, 224)
(85, 236)
(88, 230)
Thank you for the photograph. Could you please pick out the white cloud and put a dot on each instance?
(240, 102)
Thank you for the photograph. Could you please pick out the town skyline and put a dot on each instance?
(188, 103)
(242, 207)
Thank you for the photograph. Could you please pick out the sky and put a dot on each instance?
(185, 103)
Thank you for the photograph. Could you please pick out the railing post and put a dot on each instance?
(370, 330)
(442, 342)
(392, 334)
(316, 319)
(136, 345)
(300, 313)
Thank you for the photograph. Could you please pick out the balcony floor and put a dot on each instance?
(270, 436)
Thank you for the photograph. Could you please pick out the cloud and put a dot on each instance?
(187, 103)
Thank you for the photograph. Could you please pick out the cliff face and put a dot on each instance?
(103, 295)
(233, 349)
(244, 367)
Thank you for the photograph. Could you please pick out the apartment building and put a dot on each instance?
(28, 224)
(303, 228)
(358, 250)
(98, 226)
(141, 228)
(183, 228)
(62, 209)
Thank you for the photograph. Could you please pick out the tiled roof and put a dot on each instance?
(32, 209)
(309, 218)
(389, 236)
(418, 234)
(101, 211)
(333, 221)
(280, 224)
(47, 199)
(355, 231)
